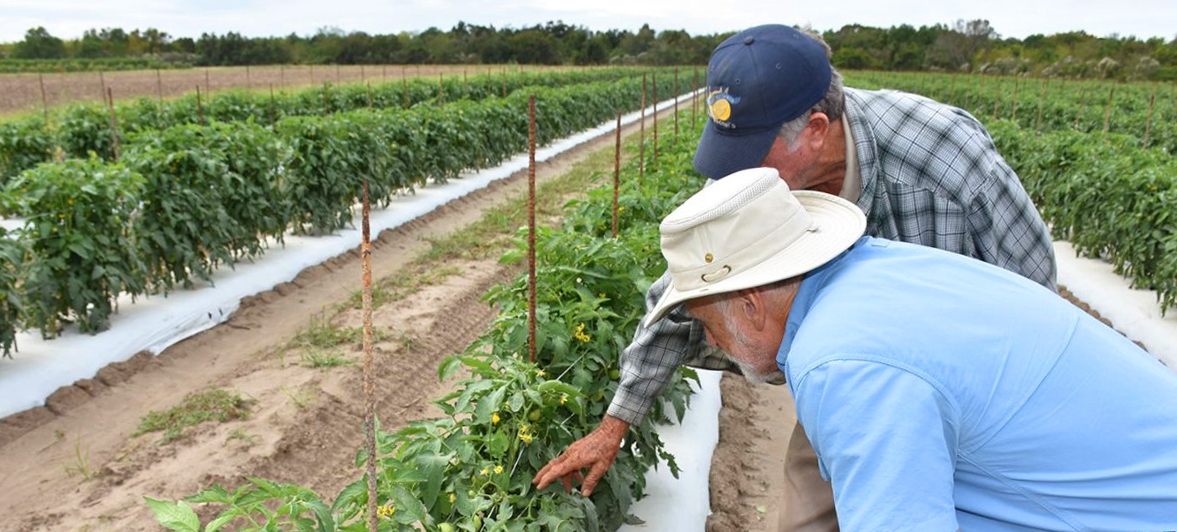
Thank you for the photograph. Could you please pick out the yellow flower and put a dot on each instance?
(539, 373)
(523, 428)
(494, 418)
(386, 511)
(602, 294)
(485, 471)
(580, 335)
(525, 437)
(563, 399)
(498, 470)
(453, 497)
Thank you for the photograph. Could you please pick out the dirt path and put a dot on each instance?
(83, 468)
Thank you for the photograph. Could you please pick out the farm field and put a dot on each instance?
(304, 424)
(21, 93)
(287, 360)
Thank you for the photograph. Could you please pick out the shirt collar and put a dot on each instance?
(865, 150)
(807, 293)
(852, 183)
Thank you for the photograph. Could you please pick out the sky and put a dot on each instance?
(254, 18)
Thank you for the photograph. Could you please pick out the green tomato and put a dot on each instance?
(614, 374)
(445, 527)
(534, 415)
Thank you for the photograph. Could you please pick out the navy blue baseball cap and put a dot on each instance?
(757, 80)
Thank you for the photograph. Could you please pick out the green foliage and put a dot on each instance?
(1106, 196)
(22, 145)
(196, 408)
(472, 469)
(190, 198)
(79, 64)
(81, 253)
(11, 304)
(85, 127)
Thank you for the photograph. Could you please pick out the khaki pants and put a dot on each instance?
(809, 499)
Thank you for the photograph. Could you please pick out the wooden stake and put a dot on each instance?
(44, 99)
(369, 361)
(616, 171)
(405, 98)
(248, 78)
(440, 90)
(675, 106)
(531, 228)
(199, 106)
(1107, 114)
(114, 124)
(208, 91)
(695, 103)
(273, 108)
(369, 95)
(159, 87)
(282, 75)
(1082, 96)
(1041, 100)
(102, 79)
(642, 135)
(1152, 100)
(1013, 111)
(654, 89)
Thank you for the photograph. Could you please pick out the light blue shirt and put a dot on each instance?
(942, 393)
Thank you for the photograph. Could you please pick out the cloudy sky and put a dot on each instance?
(1011, 18)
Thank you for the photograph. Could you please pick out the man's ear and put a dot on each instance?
(815, 130)
(752, 306)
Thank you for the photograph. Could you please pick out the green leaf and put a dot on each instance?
(408, 508)
(174, 515)
(447, 367)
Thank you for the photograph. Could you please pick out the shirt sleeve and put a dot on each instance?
(886, 439)
(656, 353)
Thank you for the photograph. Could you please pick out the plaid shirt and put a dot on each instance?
(930, 175)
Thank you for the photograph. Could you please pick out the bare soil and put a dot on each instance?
(21, 93)
(77, 465)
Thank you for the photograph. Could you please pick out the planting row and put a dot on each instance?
(188, 199)
(86, 128)
(472, 469)
(1105, 195)
(1146, 111)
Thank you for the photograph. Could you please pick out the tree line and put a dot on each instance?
(964, 46)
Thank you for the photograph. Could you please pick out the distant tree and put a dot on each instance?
(39, 44)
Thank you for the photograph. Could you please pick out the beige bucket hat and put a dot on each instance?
(748, 230)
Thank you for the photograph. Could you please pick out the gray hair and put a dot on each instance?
(833, 104)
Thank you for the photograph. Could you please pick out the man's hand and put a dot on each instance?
(597, 451)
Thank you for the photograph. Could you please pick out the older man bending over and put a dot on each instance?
(964, 397)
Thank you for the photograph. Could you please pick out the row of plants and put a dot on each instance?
(189, 199)
(1065, 105)
(1104, 194)
(471, 470)
(86, 128)
(77, 64)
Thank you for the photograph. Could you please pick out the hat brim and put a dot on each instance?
(719, 154)
(838, 224)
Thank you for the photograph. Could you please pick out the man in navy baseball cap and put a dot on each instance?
(922, 171)
(758, 80)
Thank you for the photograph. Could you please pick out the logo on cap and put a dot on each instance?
(719, 106)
